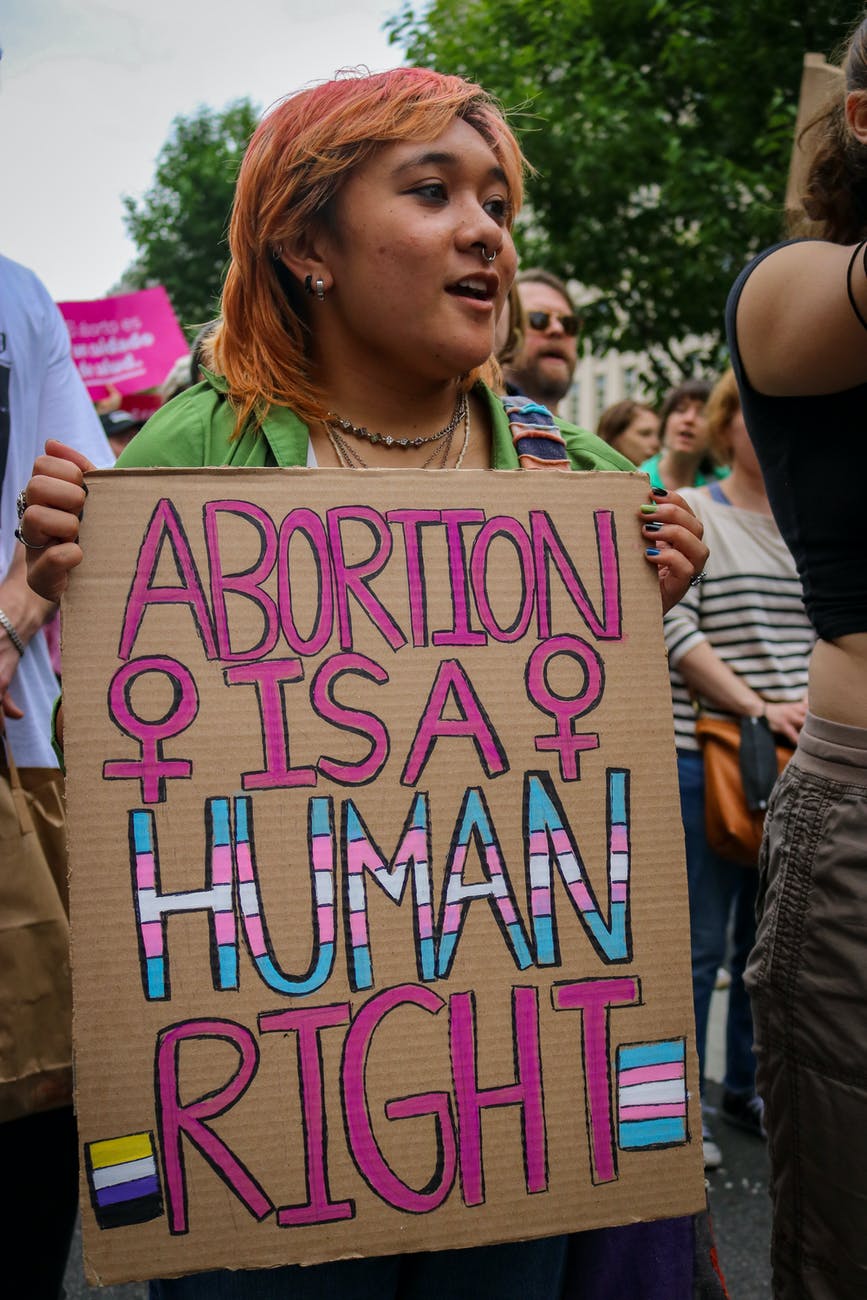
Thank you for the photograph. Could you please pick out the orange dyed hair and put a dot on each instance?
(292, 171)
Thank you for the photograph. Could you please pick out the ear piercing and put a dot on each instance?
(319, 289)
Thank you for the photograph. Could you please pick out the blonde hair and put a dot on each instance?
(289, 179)
(722, 407)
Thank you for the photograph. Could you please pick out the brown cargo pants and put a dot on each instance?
(807, 978)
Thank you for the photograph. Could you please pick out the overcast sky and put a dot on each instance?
(88, 90)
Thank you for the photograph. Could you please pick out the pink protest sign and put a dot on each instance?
(141, 406)
(131, 341)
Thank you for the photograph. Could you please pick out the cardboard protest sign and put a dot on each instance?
(380, 936)
(131, 340)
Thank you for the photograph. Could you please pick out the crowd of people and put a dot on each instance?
(349, 192)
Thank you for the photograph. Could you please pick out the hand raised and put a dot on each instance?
(54, 498)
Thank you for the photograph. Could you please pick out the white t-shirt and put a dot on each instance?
(47, 399)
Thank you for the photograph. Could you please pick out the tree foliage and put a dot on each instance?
(660, 131)
(179, 226)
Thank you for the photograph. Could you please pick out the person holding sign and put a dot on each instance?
(371, 257)
(797, 317)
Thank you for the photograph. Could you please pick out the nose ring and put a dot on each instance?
(486, 256)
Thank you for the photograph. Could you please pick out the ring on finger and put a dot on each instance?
(698, 579)
(21, 503)
(31, 546)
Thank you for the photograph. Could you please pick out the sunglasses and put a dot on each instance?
(540, 320)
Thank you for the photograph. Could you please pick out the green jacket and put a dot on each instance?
(195, 429)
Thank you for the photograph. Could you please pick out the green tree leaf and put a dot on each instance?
(661, 135)
(179, 226)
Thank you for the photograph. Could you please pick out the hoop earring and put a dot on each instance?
(320, 289)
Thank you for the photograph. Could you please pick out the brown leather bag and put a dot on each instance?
(735, 794)
(35, 986)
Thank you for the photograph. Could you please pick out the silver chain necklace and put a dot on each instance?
(349, 458)
(361, 431)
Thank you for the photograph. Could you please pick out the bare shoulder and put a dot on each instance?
(797, 331)
(781, 278)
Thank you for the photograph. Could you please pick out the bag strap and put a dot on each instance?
(19, 798)
(695, 701)
(538, 441)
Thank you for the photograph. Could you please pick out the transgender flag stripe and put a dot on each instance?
(651, 1094)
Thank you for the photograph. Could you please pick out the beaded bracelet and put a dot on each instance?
(11, 631)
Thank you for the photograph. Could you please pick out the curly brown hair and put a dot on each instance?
(835, 197)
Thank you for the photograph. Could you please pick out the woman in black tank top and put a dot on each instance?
(797, 321)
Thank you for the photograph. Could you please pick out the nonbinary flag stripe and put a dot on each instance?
(124, 1180)
(127, 1172)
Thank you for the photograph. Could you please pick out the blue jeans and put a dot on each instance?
(721, 894)
(520, 1270)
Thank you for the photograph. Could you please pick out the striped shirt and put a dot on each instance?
(749, 608)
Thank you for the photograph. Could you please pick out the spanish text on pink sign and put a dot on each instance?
(379, 919)
(131, 341)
